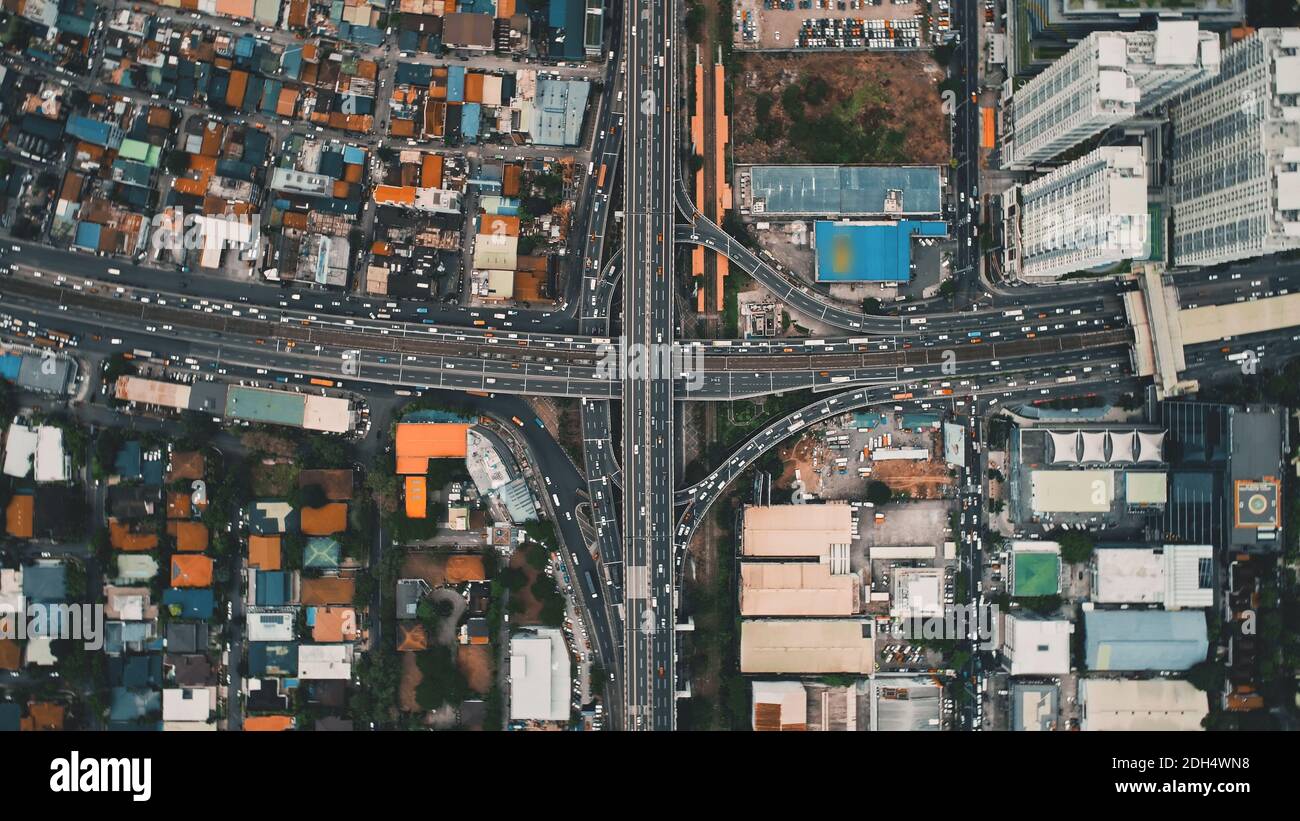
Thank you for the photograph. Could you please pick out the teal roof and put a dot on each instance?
(1144, 639)
(322, 551)
(1036, 573)
(260, 405)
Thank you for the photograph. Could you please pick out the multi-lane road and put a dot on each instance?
(650, 147)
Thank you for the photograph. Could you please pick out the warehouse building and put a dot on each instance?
(788, 646)
(869, 251)
(539, 676)
(905, 703)
(820, 532)
(1176, 576)
(1158, 705)
(797, 589)
(1133, 640)
(1034, 646)
(862, 191)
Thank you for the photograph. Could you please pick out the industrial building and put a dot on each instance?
(1034, 707)
(779, 706)
(1035, 646)
(820, 532)
(907, 703)
(789, 646)
(1175, 576)
(1236, 155)
(869, 251)
(797, 589)
(1155, 640)
(861, 191)
(539, 675)
(1086, 214)
(1106, 79)
(1158, 705)
(916, 592)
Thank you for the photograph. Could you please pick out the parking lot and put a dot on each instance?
(826, 24)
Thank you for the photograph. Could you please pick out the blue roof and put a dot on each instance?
(92, 131)
(196, 603)
(353, 155)
(10, 365)
(10, 717)
(413, 74)
(129, 460)
(856, 190)
(272, 659)
(470, 120)
(45, 585)
(455, 84)
(128, 705)
(272, 588)
(87, 235)
(1144, 639)
(869, 252)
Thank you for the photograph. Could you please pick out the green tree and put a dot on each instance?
(878, 493)
(1076, 547)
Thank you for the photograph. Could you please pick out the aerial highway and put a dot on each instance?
(649, 160)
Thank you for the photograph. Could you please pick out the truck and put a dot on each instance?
(324, 383)
(517, 421)
(591, 585)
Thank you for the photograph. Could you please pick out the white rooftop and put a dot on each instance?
(539, 677)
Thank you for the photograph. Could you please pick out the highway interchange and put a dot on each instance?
(1076, 330)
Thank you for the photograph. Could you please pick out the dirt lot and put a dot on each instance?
(475, 661)
(276, 479)
(884, 104)
(433, 569)
(411, 678)
(531, 614)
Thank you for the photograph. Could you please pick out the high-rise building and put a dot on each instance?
(1236, 155)
(1083, 215)
(1106, 79)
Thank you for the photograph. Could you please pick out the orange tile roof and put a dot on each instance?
(380, 249)
(352, 172)
(235, 91)
(335, 624)
(418, 442)
(510, 180)
(178, 506)
(431, 171)
(500, 225)
(18, 516)
(191, 570)
(295, 219)
(417, 497)
(401, 128)
(11, 655)
(465, 569)
(287, 103)
(395, 194)
(42, 716)
(121, 537)
(268, 723)
(473, 87)
(264, 552)
(191, 537)
(328, 590)
(505, 9)
(324, 521)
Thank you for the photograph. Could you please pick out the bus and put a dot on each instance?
(477, 393)
(1016, 312)
(903, 396)
(600, 181)
(591, 585)
(975, 334)
(324, 383)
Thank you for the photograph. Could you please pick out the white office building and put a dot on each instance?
(1107, 78)
(1089, 213)
(1236, 155)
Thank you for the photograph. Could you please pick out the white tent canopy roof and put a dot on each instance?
(1121, 446)
(1094, 447)
(1151, 447)
(1065, 447)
